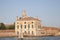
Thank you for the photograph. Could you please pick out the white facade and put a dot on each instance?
(27, 25)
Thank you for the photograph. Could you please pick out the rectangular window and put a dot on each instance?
(32, 32)
(20, 26)
(25, 26)
(17, 26)
(25, 32)
(38, 27)
(32, 26)
(17, 33)
(28, 26)
(28, 32)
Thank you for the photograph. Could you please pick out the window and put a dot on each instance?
(42, 32)
(25, 32)
(17, 26)
(38, 26)
(28, 32)
(32, 22)
(28, 26)
(32, 26)
(17, 33)
(25, 26)
(32, 32)
(20, 26)
(24, 22)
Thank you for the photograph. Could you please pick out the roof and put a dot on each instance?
(50, 28)
(28, 18)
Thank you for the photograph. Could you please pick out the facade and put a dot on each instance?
(27, 26)
(50, 31)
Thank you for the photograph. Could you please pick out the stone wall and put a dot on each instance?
(7, 33)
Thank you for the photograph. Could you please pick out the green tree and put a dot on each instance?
(12, 26)
(2, 26)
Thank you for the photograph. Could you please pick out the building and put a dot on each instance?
(49, 31)
(27, 26)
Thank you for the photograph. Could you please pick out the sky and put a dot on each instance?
(48, 11)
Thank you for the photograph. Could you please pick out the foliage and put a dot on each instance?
(12, 26)
(2, 26)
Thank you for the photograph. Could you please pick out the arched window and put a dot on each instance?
(24, 22)
(32, 22)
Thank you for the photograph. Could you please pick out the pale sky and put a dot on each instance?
(48, 11)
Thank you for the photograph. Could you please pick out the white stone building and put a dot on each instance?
(27, 26)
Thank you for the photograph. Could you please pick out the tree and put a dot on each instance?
(12, 26)
(2, 26)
